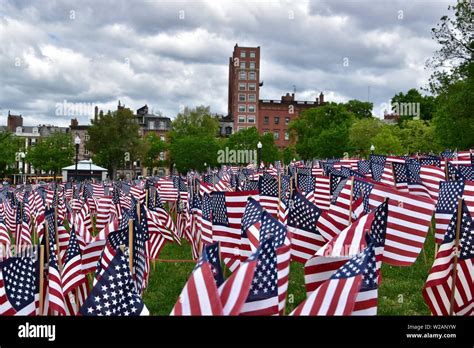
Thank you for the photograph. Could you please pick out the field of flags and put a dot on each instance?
(89, 248)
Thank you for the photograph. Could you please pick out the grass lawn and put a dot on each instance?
(399, 293)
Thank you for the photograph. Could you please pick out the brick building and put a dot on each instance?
(247, 110)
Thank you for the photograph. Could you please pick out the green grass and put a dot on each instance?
(399, 293)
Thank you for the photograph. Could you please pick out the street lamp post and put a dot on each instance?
(22, 155)
(372, 149)
(259, 154)
(77, 142)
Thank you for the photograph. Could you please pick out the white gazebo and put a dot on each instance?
(85, 170)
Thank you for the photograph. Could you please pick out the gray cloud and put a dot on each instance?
(174, 53)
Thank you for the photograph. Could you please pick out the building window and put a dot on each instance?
(241, 119)
(162, 156)
(242, 65)
(35, 130)
(252, 75)
(86, 152)
(252, 87)
(243, 54)
(287, 120)
(266, 131)
(266, 120)
(251, 108)
(239, 128)
(151, 125)
(242, 108)
(242, 75)
(241, 86)
(287, 136)
(86, 137)
(241, 97)
(252, 54)
(276, 135)
(252, 98)
(277, 120)
(19, 130)
(252, 65)
(251, 119)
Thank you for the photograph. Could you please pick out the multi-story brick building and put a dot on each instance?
(247, 110)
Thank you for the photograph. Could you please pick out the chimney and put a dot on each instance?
(74, 122)
(96, 113)
(321, 98)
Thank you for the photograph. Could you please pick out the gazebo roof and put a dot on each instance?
(85, 165)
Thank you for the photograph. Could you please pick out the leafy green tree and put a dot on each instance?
(323, 132)
(418, 136)
(454, 36)
(288, 153)
(454, 118)
(192, 139)
(52, 153)
(386, 141)
(453, 78)
(359, 108)
(412, 99)
(9, 146)
(153, 147)
(247, 139)
(111, 136)
(361, 134)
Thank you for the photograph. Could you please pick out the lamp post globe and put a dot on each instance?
(259, 154)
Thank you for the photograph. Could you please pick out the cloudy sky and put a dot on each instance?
(168, 54)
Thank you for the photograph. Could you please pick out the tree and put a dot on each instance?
(361, 134)
(247, 139)
(418, 136)
(386, 141)
(153, 147)
(9, 146)
(451, 62)
(411, 103)
(52, 153)
(359, 108)
(454, 118)
(288, 153)
(323, 131)
(111, 136)
(192, 139)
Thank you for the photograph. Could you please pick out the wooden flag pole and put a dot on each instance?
(350, 200)
(446, 172)
(41, 280)
(279, 188)
(130, 244)
(455, 262)
(139, 211)
(46, 236)
(146, 196)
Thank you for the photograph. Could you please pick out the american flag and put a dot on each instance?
(268, 188)
(200, 295)
(168, 192)
(235, 290)
(466, 171)
(212, 254)
(338, 295)
(409, 219)
(19, 286)
(227, 212)
(438, 289)
(430, 161)
(453, 172)
(363, 167)
(72, 275)
(115, 294)
(55, 290)
(347, 244)
(206, 220)
(104, 208)
(322, 192)
(431, 177)
(5, 241)
(263, 294)
(251, 224)
(448, 197)
(305, 237)
(377, 171)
